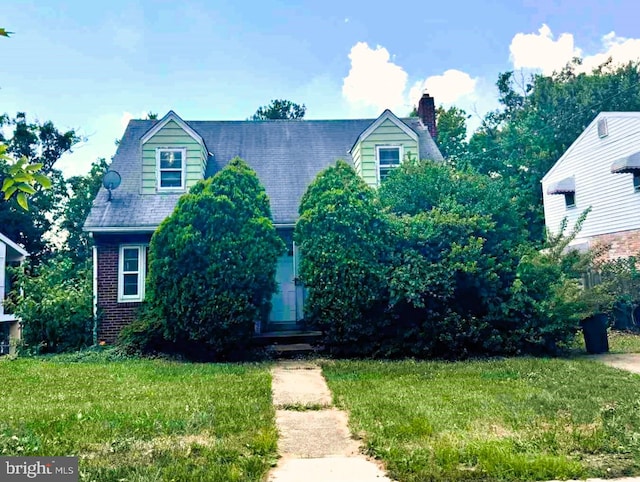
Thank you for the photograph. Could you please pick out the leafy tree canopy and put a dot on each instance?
(539, 120)
(452, 133)
(21, 179)
(280, 109)
(76, 207)
(41, 144)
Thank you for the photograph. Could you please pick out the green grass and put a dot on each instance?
(141, 420)
(624, 342)
(514, 419)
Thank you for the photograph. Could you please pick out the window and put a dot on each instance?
(570, 199)
(389, 157)
(132, 272)
(171, 168)
(636, 180)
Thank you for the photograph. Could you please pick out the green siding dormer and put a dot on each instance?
(373, 152)
(173, 156)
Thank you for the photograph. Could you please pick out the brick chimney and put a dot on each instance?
(427, 114)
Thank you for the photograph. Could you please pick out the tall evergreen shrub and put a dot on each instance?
(344, 243)
(212, 267)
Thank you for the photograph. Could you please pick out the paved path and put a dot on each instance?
(315, 444)
(624, 361)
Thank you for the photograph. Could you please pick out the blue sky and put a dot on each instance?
(93, 65)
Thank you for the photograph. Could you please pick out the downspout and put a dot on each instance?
(94, 252)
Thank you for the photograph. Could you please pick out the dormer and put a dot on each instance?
(382, 147)
(174, 156)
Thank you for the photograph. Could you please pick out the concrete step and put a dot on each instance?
(287, 337)
(293, 350)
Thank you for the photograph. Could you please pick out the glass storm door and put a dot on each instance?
(283, 303)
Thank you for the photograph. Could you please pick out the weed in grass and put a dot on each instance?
(303, 407)
(509, 419)
(141, 419)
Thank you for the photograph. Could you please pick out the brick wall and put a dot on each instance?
(621, 244)
(113, 315)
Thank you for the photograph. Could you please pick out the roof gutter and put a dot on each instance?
(121, 229)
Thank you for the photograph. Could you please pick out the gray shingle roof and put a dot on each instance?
(286, 155)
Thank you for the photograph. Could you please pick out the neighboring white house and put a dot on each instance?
(601, 170)
(10, 254)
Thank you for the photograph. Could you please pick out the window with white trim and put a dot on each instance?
(387, 157)
(171, 168)
(132, 269)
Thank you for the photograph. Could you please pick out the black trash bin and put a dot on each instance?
(595, 333)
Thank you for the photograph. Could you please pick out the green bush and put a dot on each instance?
(343, 237)
(435, 265)
(455, 261)
(212, 267)
(55, 306)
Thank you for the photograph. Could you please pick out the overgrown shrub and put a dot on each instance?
(461, 241)
(55, 305)
(436, 264)
(212, 267)
(621, 278)
(345, 243)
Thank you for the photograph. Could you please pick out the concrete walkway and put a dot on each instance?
(315, 443)
(624, 361)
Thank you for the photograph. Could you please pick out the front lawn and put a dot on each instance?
(513, 419)
(141, 420)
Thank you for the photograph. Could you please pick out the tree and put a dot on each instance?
(435, 263)
(35, 143)
(344, 240)
(83, 190)
(40, 143)
(457, 248)
(21, 179)
(212, 267)
(452, 133)
(280, 109)
(540, 120)
(54, 305)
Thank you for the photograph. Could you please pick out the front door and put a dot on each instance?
(283, 303)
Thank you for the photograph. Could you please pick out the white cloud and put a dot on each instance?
(447, 88)
(620, 49)
(541, 51)
(374, 80)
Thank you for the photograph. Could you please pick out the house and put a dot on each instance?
(601, 171)
(160, 160)
(10, 255)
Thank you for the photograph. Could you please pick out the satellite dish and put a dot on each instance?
(111, 181)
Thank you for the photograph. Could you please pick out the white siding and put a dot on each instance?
(615, 206)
